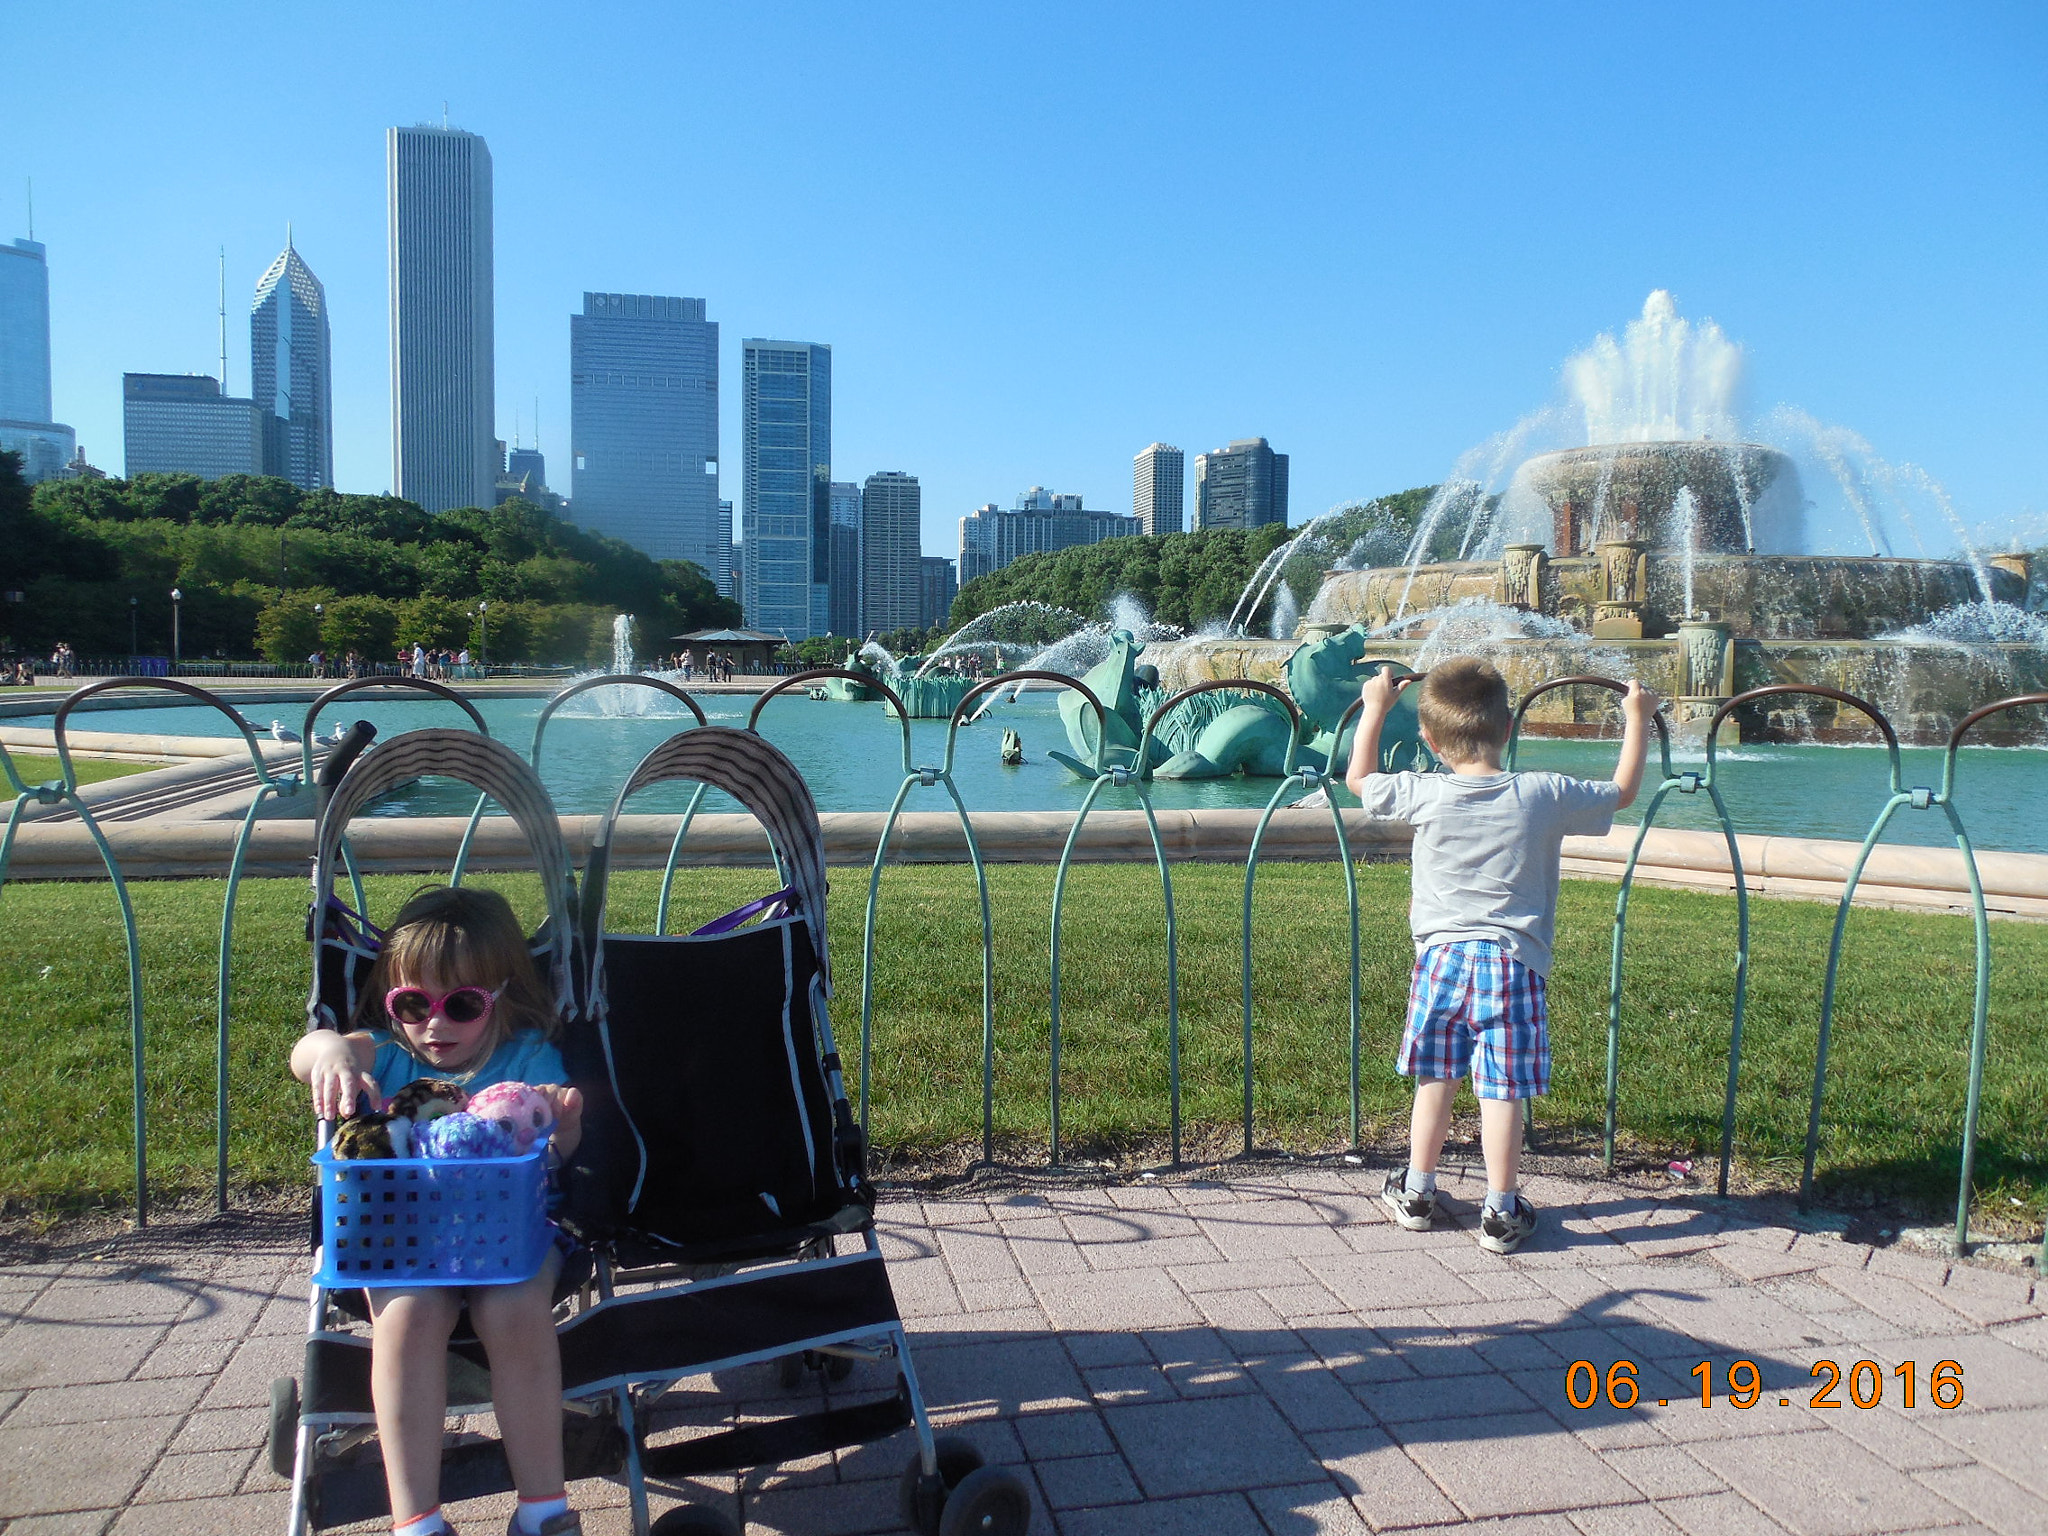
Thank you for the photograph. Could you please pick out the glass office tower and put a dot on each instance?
(443, 359)
(845, 572)
(643, 424)
(1242, 486)
(785, 486)
(45, 446)
(291, 372)
(181, 424)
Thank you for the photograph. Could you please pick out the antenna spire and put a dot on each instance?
(287, 234)
(31, 207)
(223, 320)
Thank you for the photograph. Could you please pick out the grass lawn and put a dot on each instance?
(38, 770)
(1891, 1131)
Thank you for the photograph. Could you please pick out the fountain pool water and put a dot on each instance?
(851, 755)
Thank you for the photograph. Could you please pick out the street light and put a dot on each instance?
(318, 623)
(177, 607)
(483, 617)
(133, 647)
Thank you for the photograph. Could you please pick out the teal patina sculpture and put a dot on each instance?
(1224, 732)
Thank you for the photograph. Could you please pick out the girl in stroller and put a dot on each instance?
(454, 995)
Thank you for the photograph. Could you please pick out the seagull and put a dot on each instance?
(279, 733)
(340, 731)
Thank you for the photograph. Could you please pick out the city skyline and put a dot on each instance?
(1382, 318)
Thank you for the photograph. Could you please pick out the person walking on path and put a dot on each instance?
(1483, 913)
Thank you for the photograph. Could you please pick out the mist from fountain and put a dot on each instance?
(620, 702)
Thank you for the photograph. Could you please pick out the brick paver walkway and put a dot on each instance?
(1263, 1355)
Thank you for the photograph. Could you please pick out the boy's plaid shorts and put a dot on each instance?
(1473, 1008)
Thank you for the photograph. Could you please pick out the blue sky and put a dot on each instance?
(1039, 238)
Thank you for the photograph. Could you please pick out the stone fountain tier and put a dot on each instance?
(1623, 591)
(1743, 496)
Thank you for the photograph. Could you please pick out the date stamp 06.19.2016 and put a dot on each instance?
(1863, 1382)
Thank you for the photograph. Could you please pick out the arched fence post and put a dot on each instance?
(1980, 1008)
(1667, 782)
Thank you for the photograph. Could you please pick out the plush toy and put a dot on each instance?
(526, 1114)
(369, 1135)
(427, 1098)
(464, 1135)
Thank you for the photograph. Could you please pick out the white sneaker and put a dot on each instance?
(1506, 1230)
(1413, 1211)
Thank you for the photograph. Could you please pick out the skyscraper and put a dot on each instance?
(937, 591)
(727, 576)
(443, 400)
(45, 446)
(181, 423)
(1157, 489)
(891, 585)
(1242, 486)
(845, 574)
(643, 424)
(785, 485)
(291, 373)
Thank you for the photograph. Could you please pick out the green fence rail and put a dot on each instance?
(1109, 779)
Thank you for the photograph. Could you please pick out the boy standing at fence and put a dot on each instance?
(1484, 907)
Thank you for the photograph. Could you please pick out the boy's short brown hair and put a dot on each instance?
(1464, 707)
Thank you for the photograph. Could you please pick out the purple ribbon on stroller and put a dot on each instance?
(763, 907)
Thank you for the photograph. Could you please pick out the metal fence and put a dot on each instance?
(1113, 782)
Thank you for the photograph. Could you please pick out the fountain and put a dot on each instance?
(1680, 549)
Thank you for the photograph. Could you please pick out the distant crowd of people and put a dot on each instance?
(718, 666)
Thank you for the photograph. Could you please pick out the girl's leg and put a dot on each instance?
(516, 1324)
(409, 1385)
(1429, 1121)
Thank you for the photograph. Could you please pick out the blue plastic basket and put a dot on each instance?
(432, 1221)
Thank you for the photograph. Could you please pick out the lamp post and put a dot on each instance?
(177, 637)
(319, 630)
(133, 647)
(483, 618)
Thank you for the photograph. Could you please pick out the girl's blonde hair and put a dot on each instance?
(464, 936)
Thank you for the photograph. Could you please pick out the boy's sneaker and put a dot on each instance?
(1505, 1231)
(1413, 1211)
(567, 1524)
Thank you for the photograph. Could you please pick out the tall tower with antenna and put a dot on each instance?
(45, 446)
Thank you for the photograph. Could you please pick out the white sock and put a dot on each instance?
(1500, 1199)
(1420, 1183)
(429, 1524)
(535, 1513)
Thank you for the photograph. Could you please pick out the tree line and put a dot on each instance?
(267, 569)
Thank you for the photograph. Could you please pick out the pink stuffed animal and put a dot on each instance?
(526, 1113)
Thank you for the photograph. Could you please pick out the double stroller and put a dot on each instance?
(720, 1195)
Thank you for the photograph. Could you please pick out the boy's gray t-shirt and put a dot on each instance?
(1486, 851)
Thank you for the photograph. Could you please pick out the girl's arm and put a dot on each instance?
(337, 1067)
(568, 1116)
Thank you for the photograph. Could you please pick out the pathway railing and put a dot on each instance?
(1109, 777)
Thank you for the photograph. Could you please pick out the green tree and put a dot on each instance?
(433, 621)
(287, 628)
(368, 625)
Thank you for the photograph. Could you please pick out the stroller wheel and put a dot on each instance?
(284, 1426)
(990, 1501)
(694, 1520)
(925, 1498)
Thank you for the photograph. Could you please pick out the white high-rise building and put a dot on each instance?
(443, 361)
(1158, 489)
(291, 372)
(891, 583)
